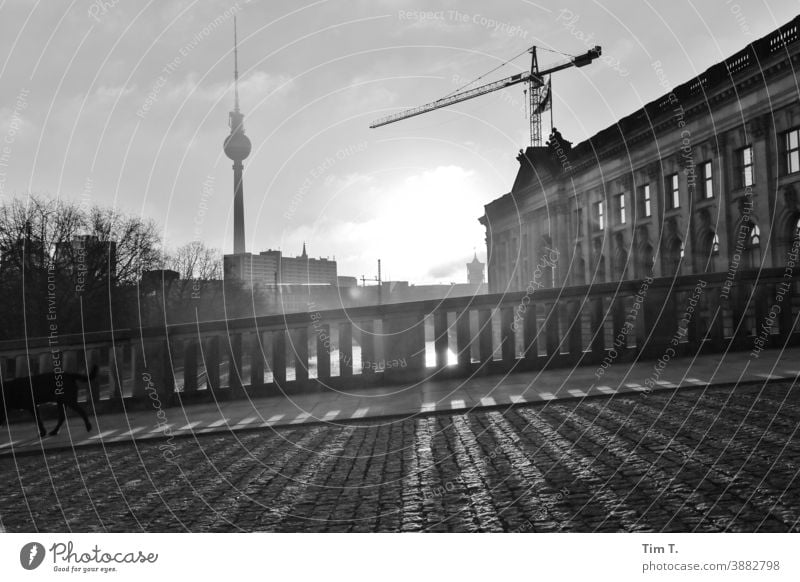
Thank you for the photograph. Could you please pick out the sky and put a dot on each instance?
(124, 104)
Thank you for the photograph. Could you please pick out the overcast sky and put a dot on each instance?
(125, 103)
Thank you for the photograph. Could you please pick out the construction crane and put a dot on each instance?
(537, 94)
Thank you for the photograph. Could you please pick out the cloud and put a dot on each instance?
(453, 270)
(14, 123)
(254, 87)
(260, 84)
(106, 93)
(339, 183)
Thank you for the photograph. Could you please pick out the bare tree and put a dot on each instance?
(136, 241)
(72, 269)
(196, 261)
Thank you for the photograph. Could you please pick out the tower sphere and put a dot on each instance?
(237, 146)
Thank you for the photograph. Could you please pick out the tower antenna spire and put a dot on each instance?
(235, 66)
(237, 148)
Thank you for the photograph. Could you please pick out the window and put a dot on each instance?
(645, 195)
(792, 145)
(708, 180)
(673, 193)
(621, 208)
(755, 236)
(600, 215)
(715, 245)
(746, 164)
(579, 222)
(753, 255)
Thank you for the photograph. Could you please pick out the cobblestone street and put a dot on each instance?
(715, 459)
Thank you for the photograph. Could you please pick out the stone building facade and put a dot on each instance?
(704, 179)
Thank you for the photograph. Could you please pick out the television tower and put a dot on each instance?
(237, 147)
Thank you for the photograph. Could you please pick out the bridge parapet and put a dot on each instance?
(408, 343)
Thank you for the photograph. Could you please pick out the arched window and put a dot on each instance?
(682, 248)
(715, 245)
(753, 255)
(755, 236)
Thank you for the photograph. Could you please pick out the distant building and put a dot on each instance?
(475, 271)
(271, 268)
(705, 178)
(303, 270)
(346, 282)
(252, 269)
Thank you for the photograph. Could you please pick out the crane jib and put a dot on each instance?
(459, 97)
(535, 77)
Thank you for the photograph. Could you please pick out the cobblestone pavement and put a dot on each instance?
(715, 459)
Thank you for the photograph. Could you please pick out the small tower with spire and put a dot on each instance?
(237, 147)
(475, 271)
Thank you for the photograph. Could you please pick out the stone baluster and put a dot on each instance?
(598, 339)
(212, 362)
(116, 365)
(300, 351)
(369, 363)
(257, 361)
(574, 328)
(323, 332)
(441, 341)
(279, 358)
(508, 336)
(190, 350)
(552, 331)
(485, 336)
(530, 332)
(235, 365)
(463, 341)
(345, 349)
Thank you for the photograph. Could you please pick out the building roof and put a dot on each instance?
(747, 61)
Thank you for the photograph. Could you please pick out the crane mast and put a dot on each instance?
(536, 97)
(534, 78)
